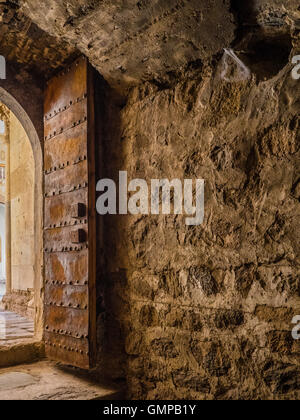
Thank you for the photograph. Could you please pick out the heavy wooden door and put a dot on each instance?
(69, 222)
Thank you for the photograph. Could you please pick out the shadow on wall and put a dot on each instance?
(110, 280)
(263, 39)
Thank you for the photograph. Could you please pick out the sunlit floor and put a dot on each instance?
(14, 326)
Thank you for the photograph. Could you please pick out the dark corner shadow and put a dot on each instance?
(110, 306)
(260, 39)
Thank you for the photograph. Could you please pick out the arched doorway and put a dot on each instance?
(24, 265)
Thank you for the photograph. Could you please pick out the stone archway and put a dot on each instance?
(7, 99)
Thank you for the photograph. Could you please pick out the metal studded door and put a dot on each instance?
(69, 235)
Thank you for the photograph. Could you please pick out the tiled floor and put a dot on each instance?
(14, 326)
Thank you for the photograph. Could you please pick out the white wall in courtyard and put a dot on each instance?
(2, 243)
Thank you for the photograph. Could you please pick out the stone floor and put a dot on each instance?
(14, 327)
(42, 380)
(47, 380)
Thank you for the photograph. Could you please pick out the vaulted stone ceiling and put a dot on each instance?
(23, 42)
(130, 41)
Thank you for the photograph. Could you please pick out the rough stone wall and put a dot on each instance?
(205, 312)
(27, 90)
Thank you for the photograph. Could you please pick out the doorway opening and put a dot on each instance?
(20, 310)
